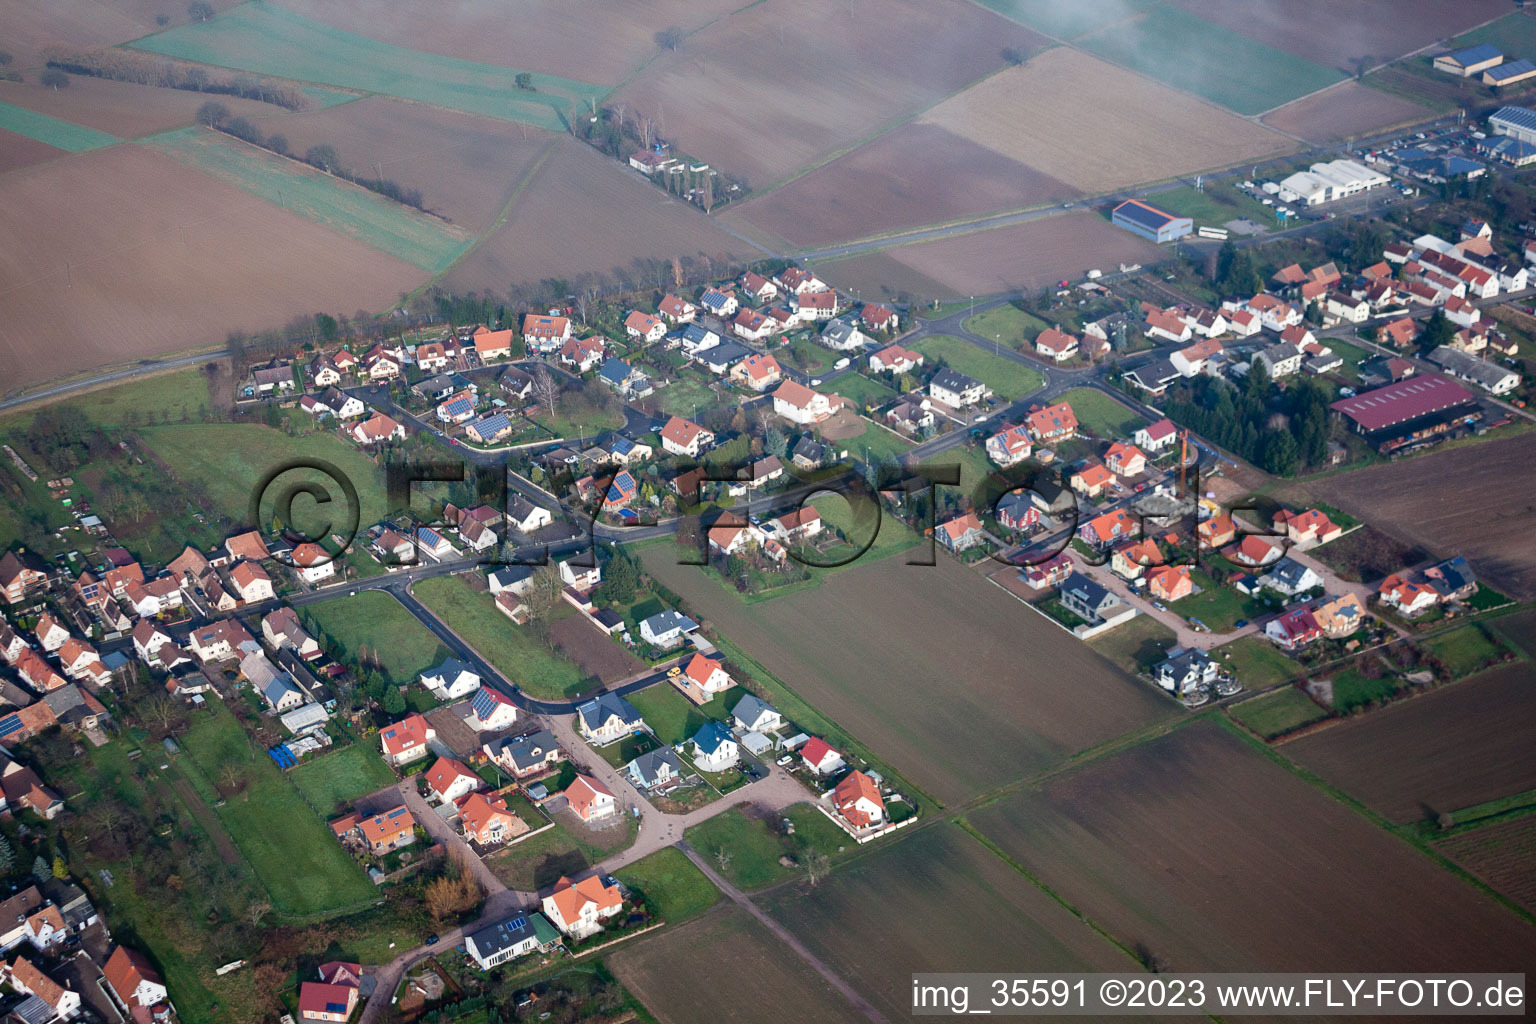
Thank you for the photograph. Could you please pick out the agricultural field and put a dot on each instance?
(573, 195)
(1073, 117)
(124, 109)
(349, 210)
(1226, 67)
(23, 151)
(122, 253)
(1502, 855)
(267, 39)
(1520, 629)
(818, 80)
(1514, 33)
(62, 135)
(512, 649)
(547, 35)
(1008, 379)
(682, 975)
(594, 653)
(1068, 21)
(1374, 31)
(403, 647)
(1101, 414)
(1346, 111)
(1425, 499)
(291, 850)
(880, 276)
(978, 728)
(466, 166)
(31, 25)
(1448, 749)
(1277, 713)
(1210, 856)
(976, 912)
(915, 175)
(340, 777)
(1367, 554)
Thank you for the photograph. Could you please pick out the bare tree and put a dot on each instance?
(723, 858)
(546, 390)
(543, 594)
(707, 191)
(817, 866)
(257, 910)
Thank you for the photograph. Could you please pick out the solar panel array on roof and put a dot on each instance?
(459, 407)
(1143, 214)
(1514, 69)
(10, 724)
(1518, 117)
(1476, 54)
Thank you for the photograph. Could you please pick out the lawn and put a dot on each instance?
(754, 849)
(670, 885)
(1137, 645)
(620, 752)
(230, 459)
(1006, 323)
(1007, 379)
(1220, 608)
(403, 647)
(269, 40)
(673, 717)
(686, 396)
(1352, 690)
(975, 473)
(1277, 713)
(1353, 356)
(1257, 663)
(1187, 52)
(892, 536)
(342, 776)
(1101, 414)
(390, 227)
(512, 649)
(65, 135)
(303, 867)
(1465, 650)
(1213, 205)
(861, 390)
(587, 426)
(539, 861)
(876, 445)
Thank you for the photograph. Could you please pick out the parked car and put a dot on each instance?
(786, 759)
(1240, 623)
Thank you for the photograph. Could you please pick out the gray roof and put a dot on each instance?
(1519, 117)
(751, 708)
(953, 380)
(529, 751)
(1476, 54)
(450, 670)
(1288, 571)
(608, 705)
(648, 765)
(514, 931)
(666, 621)
(1180, 663)
(710, 738)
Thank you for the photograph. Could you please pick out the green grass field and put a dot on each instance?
(892, 536)
(1213, 205)
(1136, 646)
(375, 620)
(269, 40)
(1101, 414)
(1515, 34)
(1007, 324)
(342, 776)
(1277, 713)
(860, 389)
(1464, 650)
(673, 717)
(876, 444)
(1353, 356)
(1256, 662)
(1067, 20)
(1351, 689)
(390, 227)
(513, 649)
(1005, 377)
(754, 850)
(686, 396)
(293, 853)
(65, 135)
(671, 885)
(1198, 56)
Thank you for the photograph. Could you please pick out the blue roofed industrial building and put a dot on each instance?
(1149, 222)
(1470, 61)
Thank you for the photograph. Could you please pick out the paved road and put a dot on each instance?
(446, 834)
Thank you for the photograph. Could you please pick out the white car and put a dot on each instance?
(786, 759)
(841, 364)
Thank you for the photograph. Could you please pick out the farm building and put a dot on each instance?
(1150, 222)
(1510, 73)
(1468, 62)
(1409, 411)
(1516, 122)
(1325, 182)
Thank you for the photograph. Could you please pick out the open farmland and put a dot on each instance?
(1346, 111)
(1453, 748)
(1503, 855)
(1084, 121)
(880, 275)
(1374, 31)
(605, 217)
(1210, 60)
(71, 138)
(678, 974)
(21, 151)
(466, 166)
(900, 688)
(383, 224)
(122, 253)
(816, 79)
(266, 39)
(124, 109)
(1024, 257)
(1068, 20)
(917, 174)
(31, 25)
(1213, 857)
(552, 36)
(942, 900)
(1465, 501)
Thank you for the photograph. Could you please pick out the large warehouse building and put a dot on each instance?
(1411, 412)
(1516, 122)
(1470, 61)
(1323, 183)
(1150, 222)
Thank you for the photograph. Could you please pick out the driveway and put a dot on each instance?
(444, 833)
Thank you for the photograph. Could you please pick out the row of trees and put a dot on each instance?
(142, 68)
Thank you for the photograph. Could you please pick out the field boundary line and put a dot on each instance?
(1402, 833)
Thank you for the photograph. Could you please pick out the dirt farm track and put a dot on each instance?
(122, 253)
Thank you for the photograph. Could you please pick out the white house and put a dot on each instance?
(799, 404)
(684, 437)
(819, 756)
(1156, 436)
(753, 714)
(448, 780)
(956, 390)
(666, 629)
(451, 680)
(713, 748)
(579, 908)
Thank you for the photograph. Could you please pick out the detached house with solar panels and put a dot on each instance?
(506, 940)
